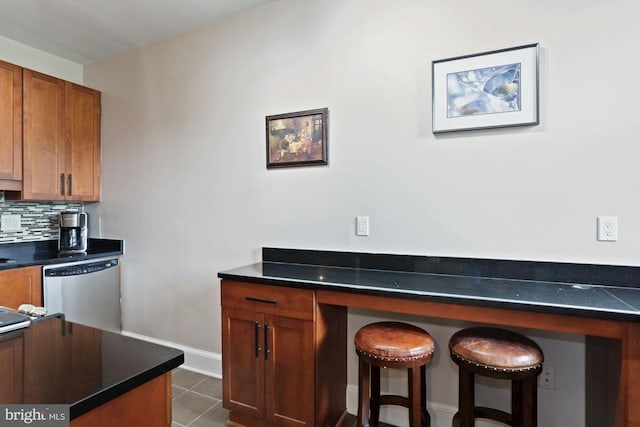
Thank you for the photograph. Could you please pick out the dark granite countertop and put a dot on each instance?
(84, 367)
(45, 252)
(597, 291)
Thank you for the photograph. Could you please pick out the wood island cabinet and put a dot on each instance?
(11, 375)
(270, 375)
(61, 139)
(10, 127)
(21, 286)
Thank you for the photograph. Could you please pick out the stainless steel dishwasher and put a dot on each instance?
(86, 292)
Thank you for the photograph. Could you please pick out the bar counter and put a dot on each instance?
(601, 302)
(588, 290)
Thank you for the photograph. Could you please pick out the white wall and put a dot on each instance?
(185, 183)
(34, 59)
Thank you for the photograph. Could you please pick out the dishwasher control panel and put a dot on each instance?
(74, 270)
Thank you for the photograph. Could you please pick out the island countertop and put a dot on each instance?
(62, 362)
(596, 291)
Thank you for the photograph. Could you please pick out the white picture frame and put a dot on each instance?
(486, 90)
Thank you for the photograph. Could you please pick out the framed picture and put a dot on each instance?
(297, 139)
(486, 90)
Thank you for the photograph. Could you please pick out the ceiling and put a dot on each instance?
(84, 31)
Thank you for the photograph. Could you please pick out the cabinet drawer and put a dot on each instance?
(279, 300)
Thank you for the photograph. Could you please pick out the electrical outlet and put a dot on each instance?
(10, 222)
(608, 228)
(547, 378)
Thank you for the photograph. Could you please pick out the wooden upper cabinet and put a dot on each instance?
(61, 139)
(82, 143)
(43, 149)
(10, 126)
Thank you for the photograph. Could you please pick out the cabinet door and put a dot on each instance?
(243, 367)
(84, 346)
(11, 374)
(289, 371)
(21, 286)
(82, 143)
(44, 363)
(43, 99)
(10, 126)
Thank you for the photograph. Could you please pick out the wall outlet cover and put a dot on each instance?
(10, 223)
(608, 228)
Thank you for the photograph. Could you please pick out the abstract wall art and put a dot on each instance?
(486, 90)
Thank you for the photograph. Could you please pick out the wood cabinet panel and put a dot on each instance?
(290, 302)
(10, 126)
(146, 405)
(268, 355)
(44, 363)
(82, 143)
(84, 346)
(61, 139)
(21, 286)
(11, 374)
(243, 380)
(43, 144)
(289, 376)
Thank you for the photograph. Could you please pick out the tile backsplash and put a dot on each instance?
(39, 219)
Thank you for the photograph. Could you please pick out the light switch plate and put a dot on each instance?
(362, 226)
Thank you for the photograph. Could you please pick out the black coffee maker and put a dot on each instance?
(73, 233)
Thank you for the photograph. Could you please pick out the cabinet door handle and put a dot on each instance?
(62, 184)
(264, 301)
(257, 339)
(266, 341)
(70, 184)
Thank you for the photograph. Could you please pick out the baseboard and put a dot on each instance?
(204, 362)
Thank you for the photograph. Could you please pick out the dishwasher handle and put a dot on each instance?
(79, 269)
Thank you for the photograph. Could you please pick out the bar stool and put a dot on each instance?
(502, 354)
(392, 345)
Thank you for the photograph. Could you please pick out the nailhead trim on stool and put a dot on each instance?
(502, 354)
(392, 345)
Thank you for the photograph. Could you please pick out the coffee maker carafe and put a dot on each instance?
(73, 233)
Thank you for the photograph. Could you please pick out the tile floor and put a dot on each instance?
(197, 401)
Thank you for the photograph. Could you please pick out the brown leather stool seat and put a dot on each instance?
(502, 354)
(392, 345)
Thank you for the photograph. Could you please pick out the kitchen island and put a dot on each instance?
(284, 323)
(106, 379)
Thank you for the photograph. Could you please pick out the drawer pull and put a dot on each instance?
(257, 339)
(264, 301)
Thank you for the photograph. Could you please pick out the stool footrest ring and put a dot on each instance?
(487, 414)
(392, 399)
